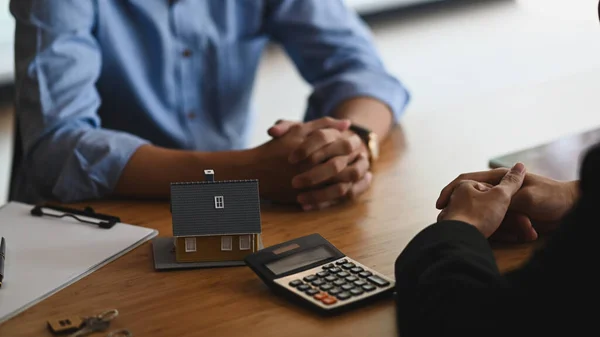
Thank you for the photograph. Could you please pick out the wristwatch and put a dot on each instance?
(370, 139)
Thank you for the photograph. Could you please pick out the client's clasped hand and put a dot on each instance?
(482, 205)
(507, 205)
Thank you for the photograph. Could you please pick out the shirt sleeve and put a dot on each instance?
(67, 154)
(334, 52)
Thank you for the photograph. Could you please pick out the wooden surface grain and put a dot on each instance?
(233, 301)
(430, 149)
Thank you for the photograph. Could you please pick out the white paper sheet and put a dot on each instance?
(46, 254)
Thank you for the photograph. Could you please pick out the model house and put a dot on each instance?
(215, 220)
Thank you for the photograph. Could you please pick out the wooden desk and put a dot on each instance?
(434, 147)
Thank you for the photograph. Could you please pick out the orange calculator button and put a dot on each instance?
(320, 296)
(329, 300)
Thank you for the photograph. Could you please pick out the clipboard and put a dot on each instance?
(39, 250)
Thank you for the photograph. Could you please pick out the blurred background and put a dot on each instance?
(446, 52)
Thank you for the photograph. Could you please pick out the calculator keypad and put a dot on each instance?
(336, 284)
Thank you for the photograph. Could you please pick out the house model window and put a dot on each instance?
(190, 245)
(245, 242)
(226, 242)
(219, 202)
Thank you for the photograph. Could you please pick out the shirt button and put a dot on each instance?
(187, 53)
(191, 115)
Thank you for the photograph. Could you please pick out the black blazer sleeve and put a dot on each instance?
(448, 283)
(445, 279)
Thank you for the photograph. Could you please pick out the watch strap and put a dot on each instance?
(362, 132)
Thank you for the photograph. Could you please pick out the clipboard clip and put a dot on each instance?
(104, 221)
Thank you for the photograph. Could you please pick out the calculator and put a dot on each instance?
(312, 272)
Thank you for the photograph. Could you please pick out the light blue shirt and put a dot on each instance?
(96, 79)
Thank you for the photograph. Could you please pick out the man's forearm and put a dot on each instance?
(151, 169)
(367, 112)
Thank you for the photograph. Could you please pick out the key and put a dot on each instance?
(98, 323)
(90, 326)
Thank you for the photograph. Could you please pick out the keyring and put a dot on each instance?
(108, 315)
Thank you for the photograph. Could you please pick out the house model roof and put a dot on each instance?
(195, 213)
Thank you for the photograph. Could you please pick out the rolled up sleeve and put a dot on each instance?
(67, 155)
(333, 50)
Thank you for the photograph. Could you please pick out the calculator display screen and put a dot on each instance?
(299, 260)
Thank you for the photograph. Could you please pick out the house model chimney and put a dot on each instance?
(209, 175)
